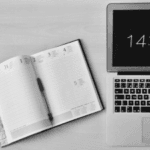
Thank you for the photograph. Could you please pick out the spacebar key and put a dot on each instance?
(145, 109)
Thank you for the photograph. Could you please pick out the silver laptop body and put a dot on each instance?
(128, 75)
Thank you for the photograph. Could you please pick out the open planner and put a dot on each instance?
(44, 90)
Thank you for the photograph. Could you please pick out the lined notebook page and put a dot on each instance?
(20, 100)
(66, 79)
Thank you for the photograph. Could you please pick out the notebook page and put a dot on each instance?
(67, 82)
(21, 103)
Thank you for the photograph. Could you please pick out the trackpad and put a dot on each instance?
(146, 130)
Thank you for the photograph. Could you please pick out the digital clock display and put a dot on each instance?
(131, 38)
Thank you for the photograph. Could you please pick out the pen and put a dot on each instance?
(44, 96)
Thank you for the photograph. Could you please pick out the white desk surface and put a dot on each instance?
(30, 26)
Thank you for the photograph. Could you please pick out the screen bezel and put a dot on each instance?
(110, 8)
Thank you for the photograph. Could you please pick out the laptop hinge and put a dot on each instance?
(134, 73)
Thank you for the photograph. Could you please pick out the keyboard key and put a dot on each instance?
(144, 91)
(117, 85)
(117, 80)
(119, 96)
(147, 80)
(145, 109)
(149, 91)
(117, 109)
(143, 103)
(147, 85)
(135, 85)
(129, 85)
(142, 80)
(136, 109)
(136, 80)
(141, 85)
(123, 109)
(127, 96)
(140, 97)
(117, 103)
(137, 103)
(126, 91)
(123, 85)
(119, 91)
(132, 91)
(148, 102)
(123, 80)
(138, 91)
(129, 109)
(129, 80)
(134, 96)
(130, 102)
(124, 102)
(146, 96)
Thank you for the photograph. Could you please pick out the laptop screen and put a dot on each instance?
(131, 38)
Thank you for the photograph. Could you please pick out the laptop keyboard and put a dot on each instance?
(132, 95)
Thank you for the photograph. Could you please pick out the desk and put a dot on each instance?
(27, 27)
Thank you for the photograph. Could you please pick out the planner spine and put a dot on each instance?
(3, 138)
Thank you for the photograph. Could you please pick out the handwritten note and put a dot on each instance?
(52, 54)
(79, 82)
(8, 65)
(27, 60)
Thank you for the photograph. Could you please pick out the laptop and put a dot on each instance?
(128, 74)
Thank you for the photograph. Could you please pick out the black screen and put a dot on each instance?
(131, 38)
